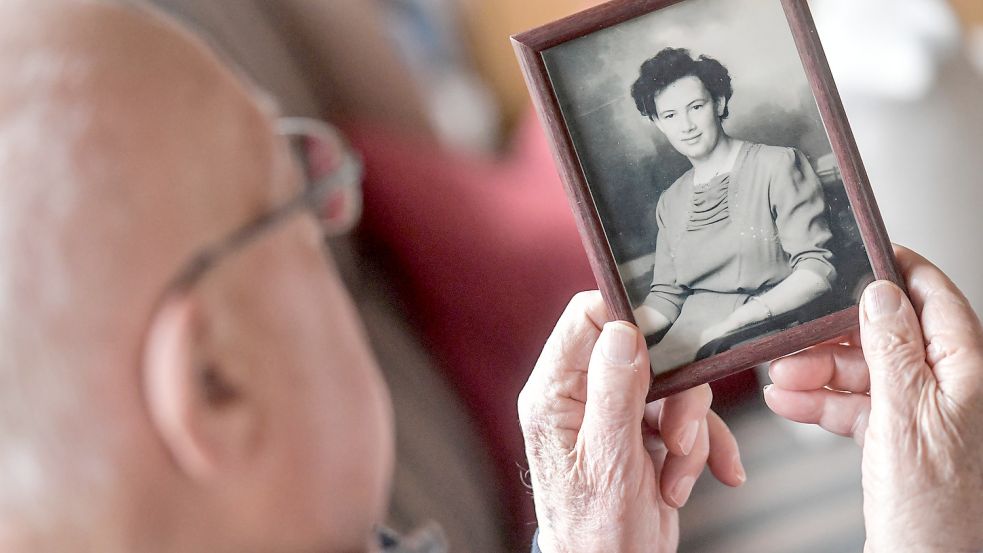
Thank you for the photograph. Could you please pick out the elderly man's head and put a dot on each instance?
(242, 414)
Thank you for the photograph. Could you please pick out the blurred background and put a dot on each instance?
(467, 252)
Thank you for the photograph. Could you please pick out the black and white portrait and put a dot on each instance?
(712, 174)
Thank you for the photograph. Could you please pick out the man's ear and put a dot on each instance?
(203, 418)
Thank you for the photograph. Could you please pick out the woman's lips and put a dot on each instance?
(692, 139)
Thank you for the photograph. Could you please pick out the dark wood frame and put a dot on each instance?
(529, 47)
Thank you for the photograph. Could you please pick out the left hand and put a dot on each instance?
(715, 331)
(608, 471)
(908, 387)
(751, 312)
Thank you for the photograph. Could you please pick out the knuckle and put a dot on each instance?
(529, 417)
(522, 403)
(533, 411)
(580, 303)
(525, 404)
(898, 347)
(583, 298)
(540, 417)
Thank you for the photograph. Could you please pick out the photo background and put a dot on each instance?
(628, 163)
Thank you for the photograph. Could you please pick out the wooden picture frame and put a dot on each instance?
(538, 51)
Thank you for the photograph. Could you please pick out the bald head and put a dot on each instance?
(244, 414)
(110, 118)
(124, 145)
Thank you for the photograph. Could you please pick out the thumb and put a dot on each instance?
(617, 383)
(895, 351)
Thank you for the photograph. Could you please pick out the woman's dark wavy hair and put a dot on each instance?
(672, 64)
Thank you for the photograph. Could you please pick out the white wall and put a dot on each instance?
(923, 143)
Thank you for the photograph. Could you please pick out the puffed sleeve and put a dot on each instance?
(799, 208)
(666, 295)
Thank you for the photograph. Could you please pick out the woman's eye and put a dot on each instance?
(669, 116)
(697, 106)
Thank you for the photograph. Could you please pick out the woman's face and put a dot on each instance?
(689, 117)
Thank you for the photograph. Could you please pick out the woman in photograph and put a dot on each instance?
(743, 235)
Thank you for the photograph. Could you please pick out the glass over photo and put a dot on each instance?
(712, 174)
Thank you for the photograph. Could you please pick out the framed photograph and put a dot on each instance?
(714, 177)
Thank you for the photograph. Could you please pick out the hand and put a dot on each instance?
(912, 396)
(715, 331)
(746, 315)
(609, 471)
(650, 321)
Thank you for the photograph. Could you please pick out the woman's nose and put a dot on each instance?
(687, 122)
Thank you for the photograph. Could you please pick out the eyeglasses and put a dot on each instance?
(332, 192)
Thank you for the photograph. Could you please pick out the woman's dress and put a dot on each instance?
(737, 236)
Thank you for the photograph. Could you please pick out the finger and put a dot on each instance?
(569, 347)
(679, 473)
(845, 414)
(668, 513)
(836, 366)
(561, 371)
(895, 352)
(950, 327)
(851, 338)
(681, 417)
(653, 412)
(724, 458)
(655, 447)
(617, 382)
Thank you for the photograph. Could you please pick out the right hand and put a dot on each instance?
(913, 398)
(650, 321)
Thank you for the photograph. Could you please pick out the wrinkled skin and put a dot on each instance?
(909, 389)
(608, 471)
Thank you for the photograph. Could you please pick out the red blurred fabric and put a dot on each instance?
(487, 254)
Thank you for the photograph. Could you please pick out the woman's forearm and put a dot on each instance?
(798, 289)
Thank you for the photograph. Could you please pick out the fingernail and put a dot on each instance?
(680, 492)
(619, 343)
(771, 368)
(739, 469)
(688, 438)
(881, 300)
